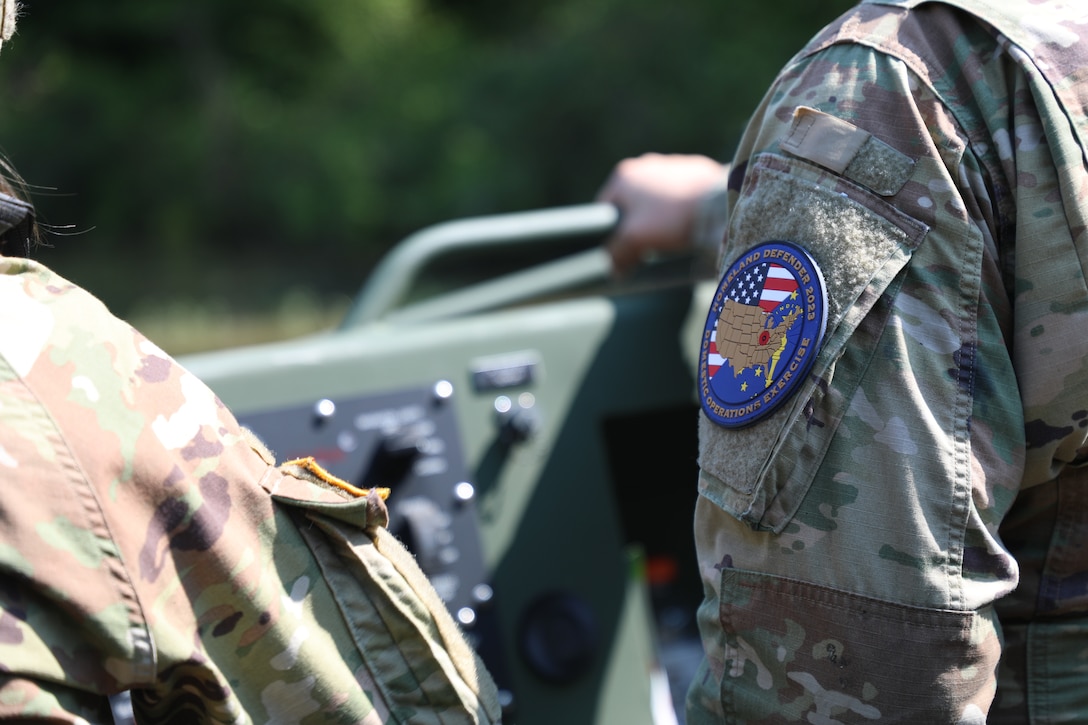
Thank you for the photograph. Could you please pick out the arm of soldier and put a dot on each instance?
(668, 203)
(874, 485)
(29, 700)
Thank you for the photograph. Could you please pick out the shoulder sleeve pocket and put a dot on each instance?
(760, 473)
(417, 663)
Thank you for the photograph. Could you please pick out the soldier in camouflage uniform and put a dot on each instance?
(149, 544)
(905, 537)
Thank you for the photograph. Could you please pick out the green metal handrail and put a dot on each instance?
(396, 272)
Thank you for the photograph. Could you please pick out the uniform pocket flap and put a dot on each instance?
(414, 654)
(860, 244)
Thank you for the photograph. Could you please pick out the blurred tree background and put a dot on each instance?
(242, 157)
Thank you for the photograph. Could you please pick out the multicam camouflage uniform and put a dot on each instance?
(148, 544)
(862, 544)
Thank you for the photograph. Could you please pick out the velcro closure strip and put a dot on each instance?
(845, 149)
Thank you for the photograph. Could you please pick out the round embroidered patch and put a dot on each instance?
(765, 326)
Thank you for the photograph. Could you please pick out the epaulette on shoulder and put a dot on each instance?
(311, 470)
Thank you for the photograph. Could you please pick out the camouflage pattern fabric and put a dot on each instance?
(149, 544)
(907, 539)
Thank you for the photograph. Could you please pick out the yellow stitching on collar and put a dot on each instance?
(309, 464)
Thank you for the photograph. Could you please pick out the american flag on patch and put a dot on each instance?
(765, 285)
(714, 360)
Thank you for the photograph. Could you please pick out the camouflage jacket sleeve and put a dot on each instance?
(850, 541)
(149, 545)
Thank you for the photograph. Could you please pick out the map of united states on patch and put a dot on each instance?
(746, 340)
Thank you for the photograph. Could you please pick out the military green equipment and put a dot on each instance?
(537, 431)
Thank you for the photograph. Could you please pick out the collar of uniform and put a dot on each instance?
(16, 223)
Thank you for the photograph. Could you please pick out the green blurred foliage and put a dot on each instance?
(229, 150)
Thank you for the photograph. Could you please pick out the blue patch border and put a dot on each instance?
(730, 406)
